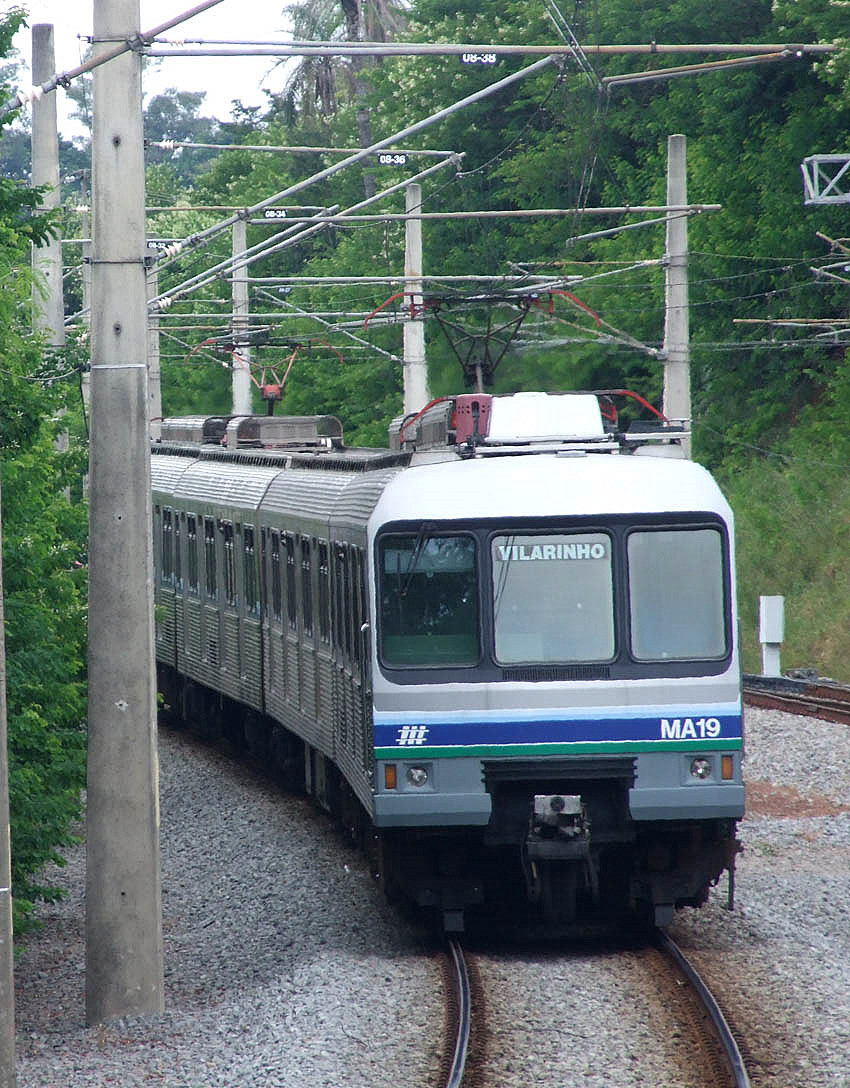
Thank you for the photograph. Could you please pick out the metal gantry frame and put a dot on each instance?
(299, 227)
(825, 178)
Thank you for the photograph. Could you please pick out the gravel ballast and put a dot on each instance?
(780, 964)
(284, 966)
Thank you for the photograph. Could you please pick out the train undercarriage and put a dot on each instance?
(560, 846)
(637, 876)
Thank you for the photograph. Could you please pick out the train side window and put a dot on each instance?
(324, 594)
(252, 600)
(209, 559)
(307, 586)
(275, 573)
(166, 567)
(192, 553)
(677, 595)
(229, 565)
(291, 600)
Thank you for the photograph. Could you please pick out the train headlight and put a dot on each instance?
(417, 776)
(701, 767)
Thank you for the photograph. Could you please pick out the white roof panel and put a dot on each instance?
(526, 417)
(549, 485)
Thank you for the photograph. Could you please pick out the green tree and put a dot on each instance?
(43, 551)
(557, 140)
(764, 396)
(175, 115)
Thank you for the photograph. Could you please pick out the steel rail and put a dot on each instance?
(464, 999)
(827, 710)
(815, 699)
(724, 1034)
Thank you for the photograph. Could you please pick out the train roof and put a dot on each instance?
(481, 424)
(234, 485)
(277, 485)
(471, 456)
(548, 485)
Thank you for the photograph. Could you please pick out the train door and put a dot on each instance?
(210, 616)
(352, 699)
(290, 626)
(273, 643)
(325, 654)
(179, 583)
(307, 642)
(165, 593)
(251, 671)
(229, 647)
(362, 634)
(189, 646)
(340, 629)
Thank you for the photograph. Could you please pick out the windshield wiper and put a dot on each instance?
(503, 578)
(414, 558)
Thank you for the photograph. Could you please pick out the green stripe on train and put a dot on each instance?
(576, 748)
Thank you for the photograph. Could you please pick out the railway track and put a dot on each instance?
(723, 1037)
(815, 698)
(459, 1001)
(724, 1065)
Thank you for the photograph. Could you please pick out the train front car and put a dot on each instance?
(555, 667)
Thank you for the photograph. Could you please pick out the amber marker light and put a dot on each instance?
(726, 768)
(390, 776)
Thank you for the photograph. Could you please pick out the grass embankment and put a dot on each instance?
(793, 538)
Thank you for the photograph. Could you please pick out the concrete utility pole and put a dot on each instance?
(124, 969)
(48, 308)
(48, 304)
(85, 229)
(7, 955)
(677, 366)
(154, 371)
(416, 394)
(241, 353)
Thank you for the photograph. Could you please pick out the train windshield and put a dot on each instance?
(429, 600)
(553, 598)
(676, 594)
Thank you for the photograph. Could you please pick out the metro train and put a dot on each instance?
(505, 648)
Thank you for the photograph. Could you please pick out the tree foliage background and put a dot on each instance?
(43, 552)
(770, 400)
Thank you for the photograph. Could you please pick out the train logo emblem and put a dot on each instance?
(411, 735)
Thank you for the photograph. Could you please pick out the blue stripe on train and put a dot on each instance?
(413, 734)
